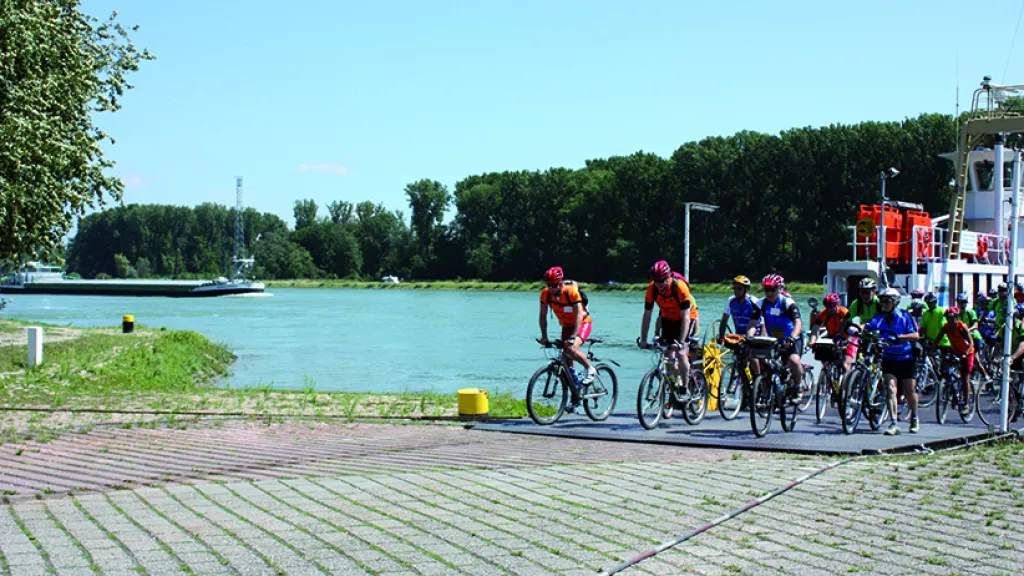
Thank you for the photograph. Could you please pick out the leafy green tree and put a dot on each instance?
(122, 268)
(305, 213)
(341, 212)
(58, 67)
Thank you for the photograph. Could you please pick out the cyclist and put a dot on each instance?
(897, 359)
(831, 319)
(563, 298)
(970, 318)
(998, 307)
(674, 305)
(781, 320)
(962, 344)
(740, 307)
(864, 308)
(916, 295)
(932, 321)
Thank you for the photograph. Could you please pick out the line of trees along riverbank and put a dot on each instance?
(785, 200)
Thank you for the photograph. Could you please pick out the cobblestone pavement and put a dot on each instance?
(369, 499)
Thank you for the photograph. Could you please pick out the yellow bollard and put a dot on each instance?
(473, 402)
(713, 372)
(127, 324)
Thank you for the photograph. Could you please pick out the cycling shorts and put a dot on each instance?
(967, 363)
(584, 332)
(901, 369)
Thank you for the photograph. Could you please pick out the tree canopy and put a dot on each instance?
(58, 68)
(785, 203)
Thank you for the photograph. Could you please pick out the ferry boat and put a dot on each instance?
(967, 250)
(39, 278)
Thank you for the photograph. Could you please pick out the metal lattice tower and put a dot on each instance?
(239, 225)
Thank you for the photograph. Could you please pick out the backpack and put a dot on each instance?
(583, 296)
(676, 293)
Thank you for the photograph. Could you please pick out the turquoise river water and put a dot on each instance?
(375, 340)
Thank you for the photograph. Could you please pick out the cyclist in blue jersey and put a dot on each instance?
(898, 330)
(781, 317)
(740, 307)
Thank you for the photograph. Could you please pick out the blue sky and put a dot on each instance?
(339, 100)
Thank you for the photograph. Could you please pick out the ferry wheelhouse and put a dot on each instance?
(969, 249)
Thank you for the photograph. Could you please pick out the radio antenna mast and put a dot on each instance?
(239, 226)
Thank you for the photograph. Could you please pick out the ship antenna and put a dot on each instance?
(239, 229)
(1015, 30)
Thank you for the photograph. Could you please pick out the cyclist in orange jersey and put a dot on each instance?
(674, 306)
(563, 298)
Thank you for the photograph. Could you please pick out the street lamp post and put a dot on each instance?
(686, 242)
(886, 174)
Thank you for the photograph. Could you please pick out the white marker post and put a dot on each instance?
(35, 346)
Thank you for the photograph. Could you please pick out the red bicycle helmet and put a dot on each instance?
(660, 271)
(772, 281)
(832, 300)
(554, 275)
(952, 311)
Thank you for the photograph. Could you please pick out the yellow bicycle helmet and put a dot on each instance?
(741, 280)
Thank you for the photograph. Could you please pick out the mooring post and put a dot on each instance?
(35, 346)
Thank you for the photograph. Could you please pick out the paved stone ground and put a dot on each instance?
(369, 499)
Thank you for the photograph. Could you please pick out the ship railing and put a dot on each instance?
(928, 244)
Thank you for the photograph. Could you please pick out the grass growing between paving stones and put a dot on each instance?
(169, 372)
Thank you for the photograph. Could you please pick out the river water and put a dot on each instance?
(375, 340)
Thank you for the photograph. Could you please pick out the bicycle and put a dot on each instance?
(656, 400)
(827, 388)
(771, 390)
(949, 390)
(731, 388)
(550, 387)
(864, 392)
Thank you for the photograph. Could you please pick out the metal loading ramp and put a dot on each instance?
(808, 437)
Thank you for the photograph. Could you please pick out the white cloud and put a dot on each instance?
(326, 168)
(131, 181)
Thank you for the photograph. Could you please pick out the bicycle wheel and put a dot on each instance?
(787, 409)
(762, 404)
(546, 395)
(982, 402)
(876, 407)
(600, 396)
(966, 408)
(822, 393)
(967, 405)
(730, 398)
(1015, 408)
(650, 399)
(697, 403)
(926, 385)
(852, 400)
(944, 395)
(805, 401)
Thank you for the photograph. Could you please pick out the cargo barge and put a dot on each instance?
(36, 278)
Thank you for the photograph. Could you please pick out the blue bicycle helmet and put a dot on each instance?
(961, 297)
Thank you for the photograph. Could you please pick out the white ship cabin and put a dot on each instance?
(35, 272)
(916, 245)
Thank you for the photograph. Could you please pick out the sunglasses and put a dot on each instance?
(771, 290)
(555, 285)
